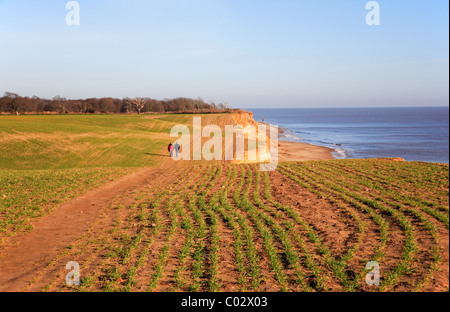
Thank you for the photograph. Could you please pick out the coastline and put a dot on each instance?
(296, 151)
(411, 133)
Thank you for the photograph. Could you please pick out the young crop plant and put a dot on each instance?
(338, 267)
(268, 239)
(319, 276)
(171, 207)
(225, 210)
(252, 255)
(410, 245)
(290, 253)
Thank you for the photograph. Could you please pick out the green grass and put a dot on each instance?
(55, 142)
(26, 195)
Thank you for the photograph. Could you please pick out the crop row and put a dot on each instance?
(216, 227)
(388, 209)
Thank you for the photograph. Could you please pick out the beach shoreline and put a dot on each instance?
(296, 151)
(411, 133)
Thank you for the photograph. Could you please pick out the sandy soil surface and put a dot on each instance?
(294, 151)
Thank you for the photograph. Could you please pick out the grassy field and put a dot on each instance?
(91, 141)
(26, 195)
(211, 226)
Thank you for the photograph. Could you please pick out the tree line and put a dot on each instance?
(15, 104)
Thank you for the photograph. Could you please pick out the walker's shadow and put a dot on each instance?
(163, 155)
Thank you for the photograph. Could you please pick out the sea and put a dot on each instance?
(412, 133)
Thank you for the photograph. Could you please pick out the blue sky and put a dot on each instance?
(250, 53)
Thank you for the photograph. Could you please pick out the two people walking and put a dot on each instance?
(171, 148)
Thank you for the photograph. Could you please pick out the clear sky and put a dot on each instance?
(250, 53)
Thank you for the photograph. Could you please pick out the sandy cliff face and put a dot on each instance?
(246, 119)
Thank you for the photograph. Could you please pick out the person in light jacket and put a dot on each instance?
(177, 148)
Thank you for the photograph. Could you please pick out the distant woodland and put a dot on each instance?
(12, 103)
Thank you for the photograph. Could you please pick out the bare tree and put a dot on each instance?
(60, 103)
(14, 103)
(82, 106)
(138, 104)
(106, 105)
(36, 104)
(126, 106)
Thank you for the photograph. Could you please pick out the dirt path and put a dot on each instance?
(27, 253)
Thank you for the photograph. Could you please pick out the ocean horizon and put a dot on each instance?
(412, 133)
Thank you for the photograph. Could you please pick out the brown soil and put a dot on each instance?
(26, 254)
(107, 218)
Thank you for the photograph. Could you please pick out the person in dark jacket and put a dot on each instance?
(170, 148)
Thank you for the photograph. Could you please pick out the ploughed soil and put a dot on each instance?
(111, 232)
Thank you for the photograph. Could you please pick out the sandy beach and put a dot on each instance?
(295, 151)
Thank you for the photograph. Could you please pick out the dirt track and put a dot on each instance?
(28, 253)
